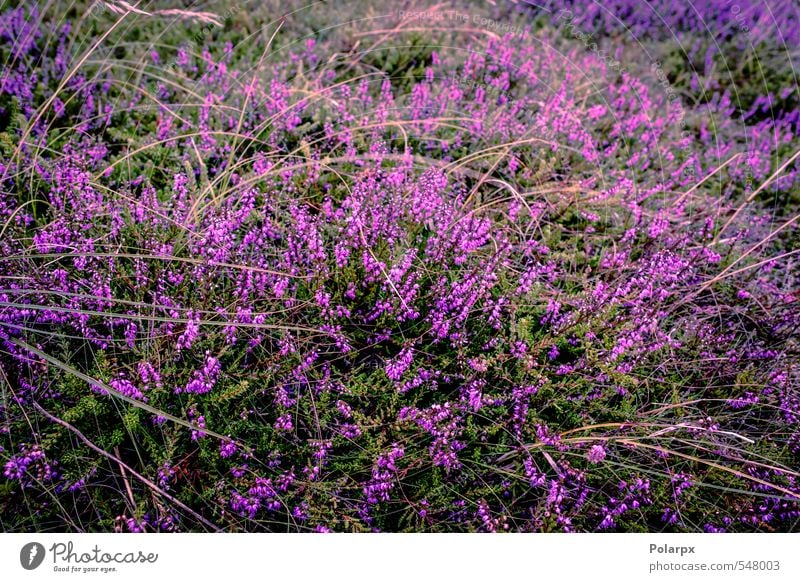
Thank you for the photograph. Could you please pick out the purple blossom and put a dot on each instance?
(596, 454)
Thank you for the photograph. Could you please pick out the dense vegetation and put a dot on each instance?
(268, 267)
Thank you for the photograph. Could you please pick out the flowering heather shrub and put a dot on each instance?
(719, 20)
(521, 291)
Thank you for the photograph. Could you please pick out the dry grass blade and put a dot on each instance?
(118, 461)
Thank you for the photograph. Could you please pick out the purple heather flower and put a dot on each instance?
(596, 454)
(204, 379)
(227, 449)
(396, 367)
